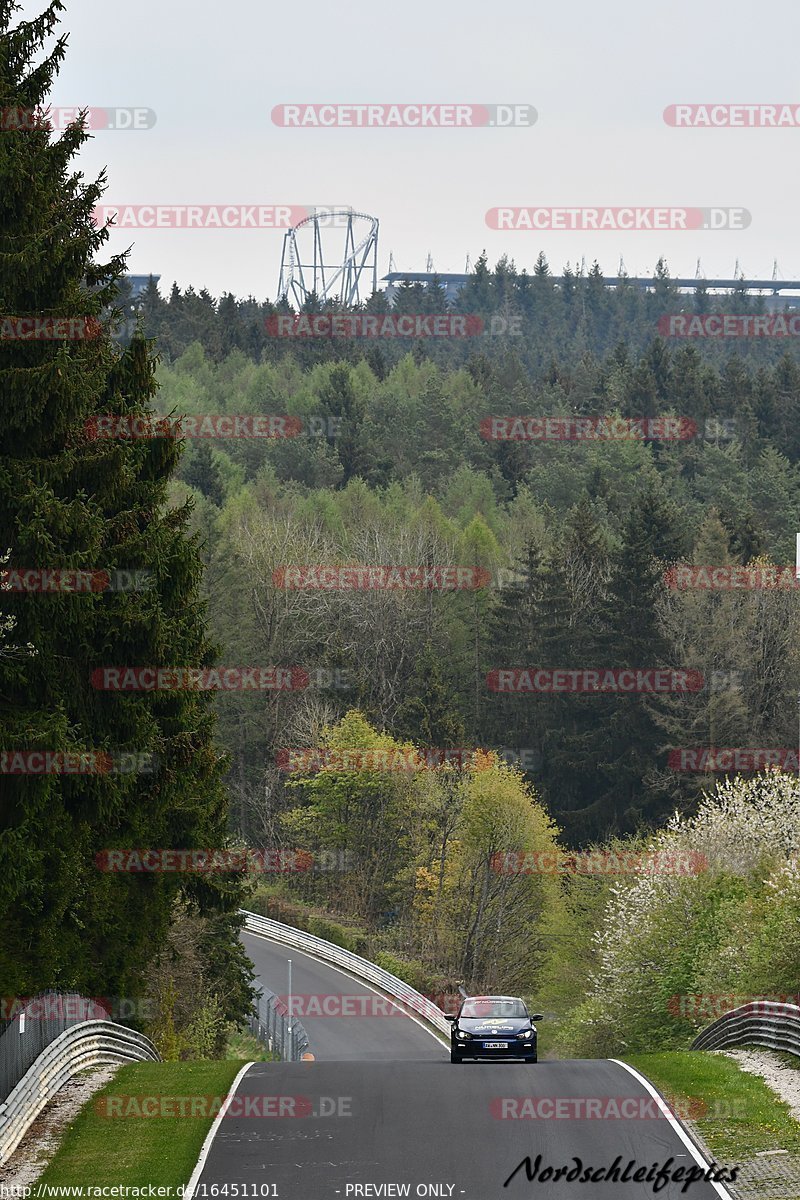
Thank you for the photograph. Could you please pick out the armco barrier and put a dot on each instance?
(34, 1023)
(362, 968)
(760, 1023)
(88, 1044)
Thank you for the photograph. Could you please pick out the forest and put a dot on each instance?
(483, 619)
(621, 548)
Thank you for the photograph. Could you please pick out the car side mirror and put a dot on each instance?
(450, 1019)
(537, 1017)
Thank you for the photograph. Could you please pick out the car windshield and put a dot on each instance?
(476, 1009)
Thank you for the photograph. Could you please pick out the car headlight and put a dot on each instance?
(527, 1034)
(461, 1034)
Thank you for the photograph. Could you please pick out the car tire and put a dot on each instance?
(455, 1058)
(532, 1060)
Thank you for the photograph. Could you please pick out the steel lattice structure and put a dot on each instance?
(312, 267)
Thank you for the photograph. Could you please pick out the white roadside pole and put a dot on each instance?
(289, 962)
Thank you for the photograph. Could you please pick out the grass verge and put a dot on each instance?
(736, 1113)
(99, 1150)
(242, 1045)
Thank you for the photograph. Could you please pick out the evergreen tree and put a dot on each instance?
(514, 643)
(430, 716)
(202, 472)
(151, 310)
(709, 631)
(339, 400)
(68, 500)
(633, 636)
(572, 727)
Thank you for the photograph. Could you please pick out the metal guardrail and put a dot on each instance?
(88, 1044)
(55, 1057)
(271, 1024)
(760, 1023)
(362, 968)
(37, 1021)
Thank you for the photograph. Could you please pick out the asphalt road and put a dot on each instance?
(341, 1037)
(384, 1106)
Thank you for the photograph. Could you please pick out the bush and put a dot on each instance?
(201, 980)
(278, 908)
(667, 938)
(267, 904)
(414, 973)
(206, 1033)
(345, 936)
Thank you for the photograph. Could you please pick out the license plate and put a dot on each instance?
(495, 1045)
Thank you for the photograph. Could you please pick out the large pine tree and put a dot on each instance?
(573, 725)
(634, 637)
(68, 500)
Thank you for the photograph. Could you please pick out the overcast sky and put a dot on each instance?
(598, 74)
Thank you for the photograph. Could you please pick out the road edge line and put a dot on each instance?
(677, 1125)
(212, 1133)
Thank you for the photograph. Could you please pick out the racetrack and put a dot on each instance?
(343, 1037)
(382, 1105)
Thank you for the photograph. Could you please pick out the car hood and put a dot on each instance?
(480, 1025)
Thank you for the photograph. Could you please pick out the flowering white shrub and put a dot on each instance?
(734, 925)
(741, 824)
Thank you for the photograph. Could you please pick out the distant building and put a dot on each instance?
(781, 293)
(452, 284)
(139, 283)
